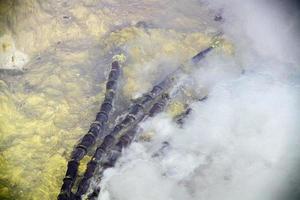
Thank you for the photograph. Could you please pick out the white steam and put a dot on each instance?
(239, 143)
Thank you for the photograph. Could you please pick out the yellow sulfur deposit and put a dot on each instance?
(149, 48)
(10, 57)
(175, 108)
(45, 110)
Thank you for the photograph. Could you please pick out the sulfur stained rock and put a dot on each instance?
(147, 49)
(175, 108)
(10, 57)
(71, 58)
(59, 96)
(45, 111)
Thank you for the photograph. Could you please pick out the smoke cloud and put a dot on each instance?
(241, 142)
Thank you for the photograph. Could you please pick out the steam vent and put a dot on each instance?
(149, 100)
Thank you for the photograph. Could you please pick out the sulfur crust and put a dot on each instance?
(175, 108)
(38, 129)
(146, 46)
